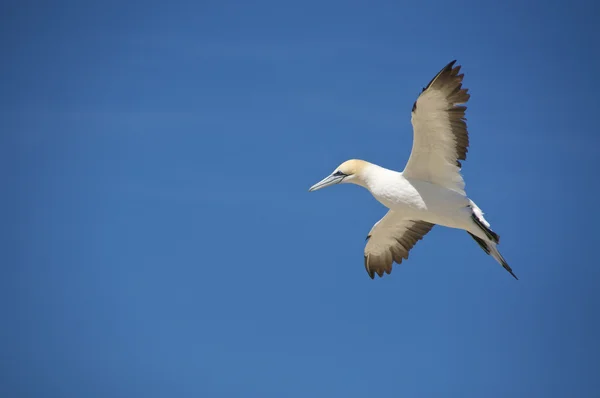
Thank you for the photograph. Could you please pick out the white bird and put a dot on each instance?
(430, 190)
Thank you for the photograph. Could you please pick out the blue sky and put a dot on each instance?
(159, 239)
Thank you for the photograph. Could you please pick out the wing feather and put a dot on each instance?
(390, 240)
(440, 136)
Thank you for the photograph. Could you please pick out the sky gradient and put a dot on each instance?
(159, 240)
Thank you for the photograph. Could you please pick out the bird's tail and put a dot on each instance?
(489, 245)
(494, 252)
(491, 248)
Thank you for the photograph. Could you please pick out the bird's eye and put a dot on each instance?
(338, 174)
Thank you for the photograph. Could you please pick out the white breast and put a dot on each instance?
(419, 199)
(394, 191)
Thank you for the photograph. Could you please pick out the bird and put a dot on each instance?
(431, 189)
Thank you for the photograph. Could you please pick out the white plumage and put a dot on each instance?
(430, 190)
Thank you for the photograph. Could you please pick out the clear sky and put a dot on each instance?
(159, 240)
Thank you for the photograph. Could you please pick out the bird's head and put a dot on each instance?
(350, 171)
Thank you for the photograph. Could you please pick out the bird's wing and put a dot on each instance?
(390, 239)
(440, 133)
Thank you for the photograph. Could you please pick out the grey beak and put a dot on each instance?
(325, 182)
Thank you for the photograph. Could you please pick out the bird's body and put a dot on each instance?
(416, 199)
(430, 190)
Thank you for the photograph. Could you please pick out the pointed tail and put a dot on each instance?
(496, 254)
(492, 249)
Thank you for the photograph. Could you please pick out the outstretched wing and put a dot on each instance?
(440, 134)
(390, 240)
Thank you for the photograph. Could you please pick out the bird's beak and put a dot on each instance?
(327, 181)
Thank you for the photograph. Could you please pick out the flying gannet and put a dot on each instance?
(431, 189)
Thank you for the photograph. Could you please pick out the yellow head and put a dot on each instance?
(349, 171)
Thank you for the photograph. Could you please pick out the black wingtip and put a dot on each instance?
(369, 270)
(446, 68)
